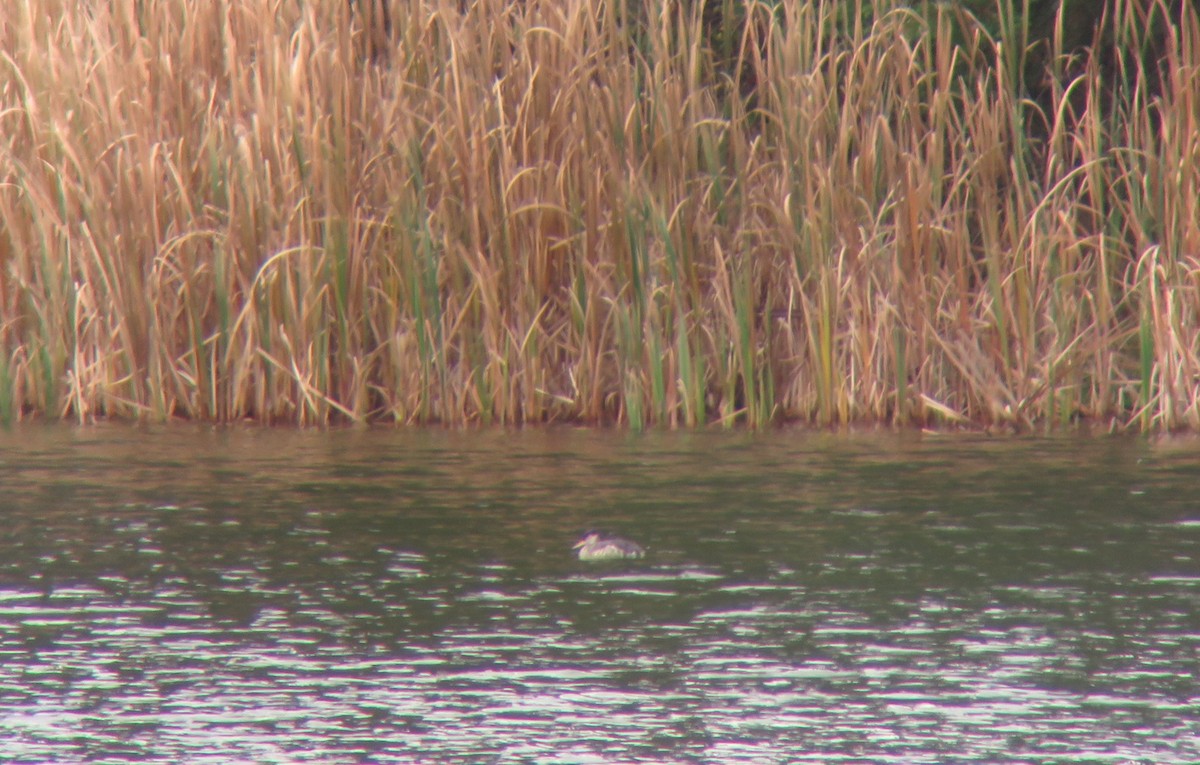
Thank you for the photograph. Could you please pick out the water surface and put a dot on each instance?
(243, 595)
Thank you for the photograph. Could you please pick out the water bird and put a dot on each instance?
(598, 546)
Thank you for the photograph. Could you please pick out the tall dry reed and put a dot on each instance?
(514, 212)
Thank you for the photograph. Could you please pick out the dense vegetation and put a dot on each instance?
(629, 211)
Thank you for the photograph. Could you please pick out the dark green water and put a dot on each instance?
(272, 596)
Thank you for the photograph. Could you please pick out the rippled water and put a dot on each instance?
(271, 596)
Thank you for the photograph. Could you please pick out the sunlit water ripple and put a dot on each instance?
(307, 632)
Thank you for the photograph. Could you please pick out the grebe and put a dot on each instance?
(597, 546)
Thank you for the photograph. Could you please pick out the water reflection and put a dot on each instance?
(275, 596)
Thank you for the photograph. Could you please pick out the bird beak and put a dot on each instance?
(579, 544)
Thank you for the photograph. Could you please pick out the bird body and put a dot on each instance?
(597, 546)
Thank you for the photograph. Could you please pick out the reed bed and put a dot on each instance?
(605, 212)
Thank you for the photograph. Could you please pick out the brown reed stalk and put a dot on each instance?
(426, 211)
